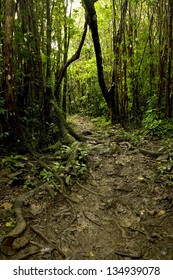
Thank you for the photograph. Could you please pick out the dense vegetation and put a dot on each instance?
(77, 70)
(51, 65)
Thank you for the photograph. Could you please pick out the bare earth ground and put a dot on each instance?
(122, 210)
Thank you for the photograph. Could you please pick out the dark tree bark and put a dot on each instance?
(8, 57)
(169, 61)
(48, 95)
(151, 43)
(124, 98)
(111, 96)
(162, 55)
(114, 96)
(136, 111)
(66, 49)
(92, 17)
(17, 137)
(38, 65)
(117, 39)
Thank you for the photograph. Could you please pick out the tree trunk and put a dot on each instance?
(124, 99)
(48, 95)
(169, 62)
(114, 96)
(151, 43)
(66, 49)
(17, 138)
(133, 75)
(161, 54)
(117, 39)
(92, 17)
(39, 83)
(8, 57)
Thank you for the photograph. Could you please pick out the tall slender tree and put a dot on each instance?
(169, 88)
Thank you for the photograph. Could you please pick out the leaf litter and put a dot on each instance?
(122, 209)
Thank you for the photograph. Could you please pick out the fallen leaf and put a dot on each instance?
(140, 178)
(7, 205)
(91, 254)
(161, 212)
(106, 222)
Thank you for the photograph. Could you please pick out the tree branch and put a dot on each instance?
(72, 59)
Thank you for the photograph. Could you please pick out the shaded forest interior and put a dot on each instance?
(119, 69)
(66, 65)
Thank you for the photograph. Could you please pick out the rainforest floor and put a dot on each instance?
(121, 209)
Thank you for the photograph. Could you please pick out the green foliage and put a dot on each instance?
(82, 154)
(76, 167)
(134, 137)
(46, 175)
(28, 185)
(3, 110)
(165, 166)
(153, 125)
(65, 150)
(81, 162)
(101, 121)
(151, 122)
(57, 167)
(138, 59)
(11, 223)
(80, 168)
(14, 161)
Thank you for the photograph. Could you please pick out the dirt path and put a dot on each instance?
(123, 210)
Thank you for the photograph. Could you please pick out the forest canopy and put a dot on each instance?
(98, 58)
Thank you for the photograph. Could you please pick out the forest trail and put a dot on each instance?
(122, 210)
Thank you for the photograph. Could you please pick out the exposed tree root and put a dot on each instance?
(72, 220)
(92, 221)
(151, 153)
(88, 190)
(25, 256)
(7, 244)
(46, 240)
(65, 133)
(129, 254)
(7, 247)
(80, 137)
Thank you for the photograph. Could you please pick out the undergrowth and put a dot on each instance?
(101, 122)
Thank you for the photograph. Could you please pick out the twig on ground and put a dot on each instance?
(88, 190)
(48, 241)
(92, 221)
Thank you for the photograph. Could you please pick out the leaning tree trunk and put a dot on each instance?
(76, 56)
(92, 17)
(65, 134)
(111, 96)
